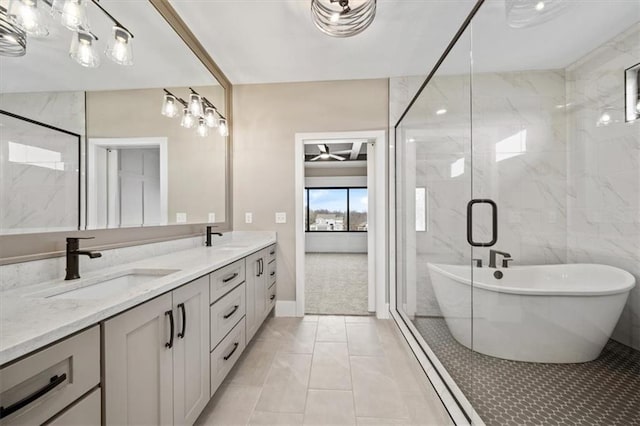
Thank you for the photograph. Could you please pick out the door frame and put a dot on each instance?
(377, 234)
(151, 142)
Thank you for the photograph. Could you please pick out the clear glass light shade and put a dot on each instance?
(210, 117)
(83, 50)
(74, 15)
(195, 104)
(119, 47)
(28, 16)
(528, 13)
(343, 19)
(222, 127)
(203, 129)
(188, 120)
(169, 106)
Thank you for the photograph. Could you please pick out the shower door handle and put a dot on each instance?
(494, 222)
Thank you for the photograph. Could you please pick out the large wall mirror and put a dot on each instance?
(93, 129)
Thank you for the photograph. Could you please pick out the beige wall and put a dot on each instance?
(196, 165)
(266, 119)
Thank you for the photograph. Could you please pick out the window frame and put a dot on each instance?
(345, 188)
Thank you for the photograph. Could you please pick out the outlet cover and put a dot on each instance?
(212, 218)
(248, 218)
(181, 218)
(281, 217)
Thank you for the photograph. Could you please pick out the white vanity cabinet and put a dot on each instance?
(260, 278)
(156, 359)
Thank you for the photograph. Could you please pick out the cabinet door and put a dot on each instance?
(191, 351)
(138, 379)
(255, 292)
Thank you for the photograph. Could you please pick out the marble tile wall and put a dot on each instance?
(43, 196)
(569, 193)
(604, 170)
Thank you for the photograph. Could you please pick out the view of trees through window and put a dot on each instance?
(336, 209)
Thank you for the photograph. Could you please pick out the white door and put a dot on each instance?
(191, 351)
(138, 379)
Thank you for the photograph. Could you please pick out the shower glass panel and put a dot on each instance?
(528, 118)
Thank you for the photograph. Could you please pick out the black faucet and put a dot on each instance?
(209, 234)
(73, 251)
(492, 258)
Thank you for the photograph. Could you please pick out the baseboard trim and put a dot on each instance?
(286, 308)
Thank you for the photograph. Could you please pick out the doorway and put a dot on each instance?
(340, 223)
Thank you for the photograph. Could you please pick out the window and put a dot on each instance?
(336, 209)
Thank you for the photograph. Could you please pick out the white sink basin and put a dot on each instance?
(105, 286)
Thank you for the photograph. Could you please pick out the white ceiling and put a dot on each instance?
(161, 59)
(267, 41)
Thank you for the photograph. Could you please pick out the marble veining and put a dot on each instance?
(28, 323)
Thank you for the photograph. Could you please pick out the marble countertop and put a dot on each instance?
(29, 322)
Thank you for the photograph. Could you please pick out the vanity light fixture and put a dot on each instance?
(83, 50)
(27, 15)
(343, 18)
(198, 112)
(119, 46)
(73, 14)
(13, 39)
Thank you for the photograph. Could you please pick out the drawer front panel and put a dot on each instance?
(225, 314)
(271, 253)
(271, 273)
(226, 354)
(46, 382)
(85, 412)
(271, 298)
(225, 279)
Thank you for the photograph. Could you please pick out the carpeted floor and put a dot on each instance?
(336, 283)
(604, 392)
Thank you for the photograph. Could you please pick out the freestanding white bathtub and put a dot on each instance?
(548, 313)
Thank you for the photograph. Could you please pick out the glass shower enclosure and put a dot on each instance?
(517, 186)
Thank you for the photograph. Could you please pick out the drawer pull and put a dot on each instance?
(233, 311)
(273, 296)
(272, 273)
(235, 347)
(272, 253)
(184, 320)
(54, 382)
(230, 277)
(169, 344)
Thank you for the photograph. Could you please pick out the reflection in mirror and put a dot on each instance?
(94, 79)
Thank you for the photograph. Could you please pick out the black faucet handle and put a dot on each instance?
(505, 262)
(478, 262)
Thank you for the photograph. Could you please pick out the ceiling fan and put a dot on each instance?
(325, 153)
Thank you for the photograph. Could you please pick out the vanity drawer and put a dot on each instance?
(271, 253)
(271, 298)
(226, 354)
(271, 273)
(226, 313)
(85, 412)
(224, 279)
(51, 379)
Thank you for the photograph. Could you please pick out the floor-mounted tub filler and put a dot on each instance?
(540, 313)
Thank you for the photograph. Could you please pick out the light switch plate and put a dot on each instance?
(181, 218)
(281, 217)
(212, 218)
(248, 217)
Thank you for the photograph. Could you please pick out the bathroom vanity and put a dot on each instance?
(154, 352)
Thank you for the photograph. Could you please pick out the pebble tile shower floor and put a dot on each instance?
(602, 392)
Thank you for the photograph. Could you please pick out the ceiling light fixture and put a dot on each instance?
(199, 110)
(339, 18)
(83, 51)
(13, 39)
(27, 15)
(528, 13)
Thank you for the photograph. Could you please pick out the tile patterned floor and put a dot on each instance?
(336, 283)
(327, 370)
(602, 392)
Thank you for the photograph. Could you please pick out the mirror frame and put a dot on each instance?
(27, 247)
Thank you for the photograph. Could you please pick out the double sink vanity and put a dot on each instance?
(146, 342)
